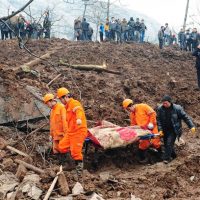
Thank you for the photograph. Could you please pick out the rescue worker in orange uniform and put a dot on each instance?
(58, 124)
(77, 129)
(145, 117)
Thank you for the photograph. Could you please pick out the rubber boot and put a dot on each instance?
(60, 159)
(79, 170)
(68, 162)
(142, 156)
(159, 154)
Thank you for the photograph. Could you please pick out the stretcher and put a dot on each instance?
(109, 136)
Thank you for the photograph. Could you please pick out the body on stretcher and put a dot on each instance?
(110, 136)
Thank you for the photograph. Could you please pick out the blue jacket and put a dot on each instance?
(101, 28)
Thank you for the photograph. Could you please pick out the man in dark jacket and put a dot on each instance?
(46, 26)
(188, 40)
(161, 37)
(4, 31)
(118, 31)
(169, 117)
(131, 25)
(196, 53)
(195, 38)
(112, 28)
(182, 39)
(85, 29)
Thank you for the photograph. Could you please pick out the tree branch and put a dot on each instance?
(18, 11)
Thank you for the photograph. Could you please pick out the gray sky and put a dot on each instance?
(171, 11)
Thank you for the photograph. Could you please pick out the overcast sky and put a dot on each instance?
(171, 11)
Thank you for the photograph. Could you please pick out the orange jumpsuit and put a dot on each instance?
(58, 125)
(76, 134)
(142, 116)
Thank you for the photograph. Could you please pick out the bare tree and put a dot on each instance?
(18, 11)
(97, 15)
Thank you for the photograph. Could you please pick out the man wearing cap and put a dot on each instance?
(169, 117)
(58, 124)
(145, 117)
(77, 129)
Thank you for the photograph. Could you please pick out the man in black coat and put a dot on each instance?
(169, 119)
(196, 53)
(85, 29)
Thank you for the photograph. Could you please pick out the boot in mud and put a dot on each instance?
(68, 162)
(79, 170)
(142, 156)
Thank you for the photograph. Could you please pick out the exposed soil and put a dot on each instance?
(146, 75)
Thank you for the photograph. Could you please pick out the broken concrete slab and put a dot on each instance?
(77, 189)
(34, 192)
(5, 188)
(29, 186)
(32, 178)
(7, 184)
(26, 109)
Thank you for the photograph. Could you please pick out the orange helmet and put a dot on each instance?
(126, 103)
(62, 92)
(48, 97)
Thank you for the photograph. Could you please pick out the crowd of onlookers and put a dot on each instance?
(18, 26)
(82, 30)
(186, 39)
(113, 30)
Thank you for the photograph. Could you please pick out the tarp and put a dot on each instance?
(108, 135)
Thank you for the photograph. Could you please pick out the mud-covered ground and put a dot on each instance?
(146, 75)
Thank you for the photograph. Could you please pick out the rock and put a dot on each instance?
(8, 184)
(35, 192)
(9, 195)
(21, 172)
(29, 186)
(153, 196)
(95, 196)
(142, 178)
(77, 189)
(7, 164)
(192, 178)
(133, 197)
(32, 191)
(33, 178)
(26, 188)
(180, 142)
(104, 176)
(118, 193)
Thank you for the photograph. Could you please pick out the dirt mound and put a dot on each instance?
(146, 75)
